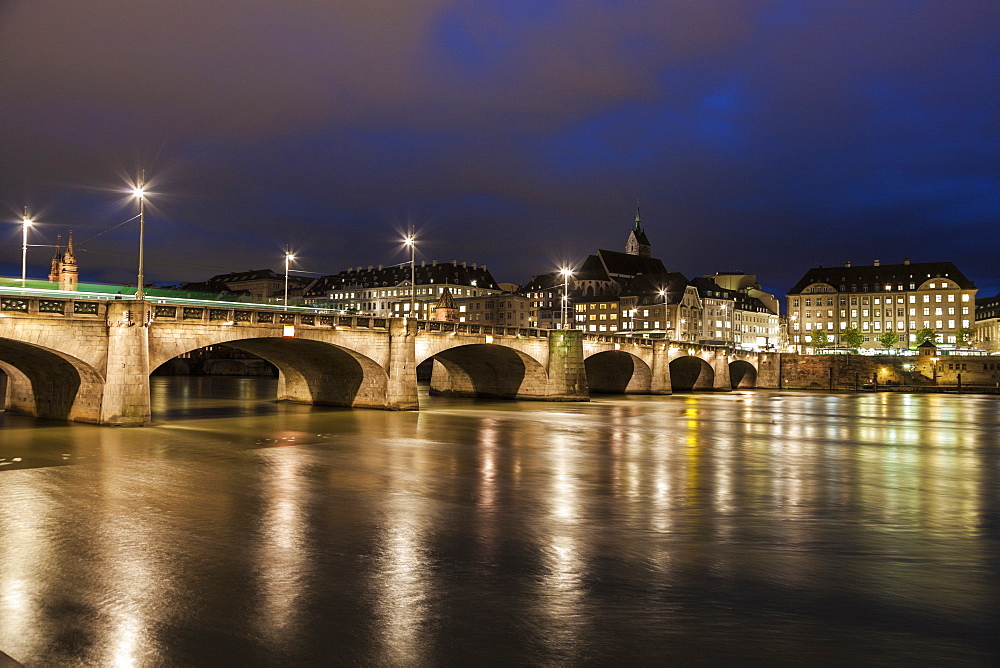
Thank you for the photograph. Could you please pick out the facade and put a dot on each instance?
(597, 314)
(718, 312)
(876, 299)
(64, 269)
(987, 324)
(385, 291)
(663, 305)
(506, 308)
(751, 320)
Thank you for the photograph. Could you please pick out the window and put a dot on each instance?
(951, 298)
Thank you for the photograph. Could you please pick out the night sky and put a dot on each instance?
(768, 137)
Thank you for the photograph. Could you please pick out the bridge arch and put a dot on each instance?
(688, 372)
(314, 372)
(618, 372)
(742, 375)
(50, 384)
(486, 370)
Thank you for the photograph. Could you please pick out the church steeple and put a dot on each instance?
(68, 271)
(638, 243)
(56, 261)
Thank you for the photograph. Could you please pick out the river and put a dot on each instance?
(758, 526)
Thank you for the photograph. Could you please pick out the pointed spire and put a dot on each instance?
(69, 256)
(56, 268)
(638, 218)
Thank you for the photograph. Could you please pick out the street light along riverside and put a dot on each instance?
(25, 224)
(566, 273)
(409, 241)
(288, 257)
(139, 191)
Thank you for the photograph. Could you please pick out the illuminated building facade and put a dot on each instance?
(900, 298)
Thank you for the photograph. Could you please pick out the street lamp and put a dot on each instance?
(139, 192)
(411, 242)
(566, 273)
(25, 224)
(288, 258)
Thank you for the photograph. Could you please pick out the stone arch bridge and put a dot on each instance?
(89, 360)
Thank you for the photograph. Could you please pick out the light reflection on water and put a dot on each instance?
(769, 526)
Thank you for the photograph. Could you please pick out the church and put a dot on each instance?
(64, 270)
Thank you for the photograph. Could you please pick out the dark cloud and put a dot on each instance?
(764, 136)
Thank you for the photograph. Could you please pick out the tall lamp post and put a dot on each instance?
(288, 258)
(139, 192)
(566, 273)
(409, 241)
(663, 293)
(25, 224)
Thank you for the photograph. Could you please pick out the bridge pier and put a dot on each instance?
(401, 389)
(567, 374)
(720, 367)
(126, 400)
(660, 382)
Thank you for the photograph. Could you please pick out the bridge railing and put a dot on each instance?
(622, 339)
(97, 309)
(56, 307)
(481, 329)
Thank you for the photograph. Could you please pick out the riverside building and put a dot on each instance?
(876, 299)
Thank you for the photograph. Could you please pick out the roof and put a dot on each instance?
(851, 279)
(625, 265)
(251, 275)
(647, 287)
(425, 274)
(592, 270)
(987, 308)
(446, 301)
(707, 288)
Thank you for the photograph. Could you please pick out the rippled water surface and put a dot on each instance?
(752, 526)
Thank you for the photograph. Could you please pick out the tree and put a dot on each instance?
(889, 339)
(852, 337)
(926, 334)
(965, 336)
(819, 338)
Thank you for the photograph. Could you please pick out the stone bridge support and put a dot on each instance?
(567, 374)
(719, 359)
(661, 383)
(401, 390)
(126, 386)
(768, 370)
